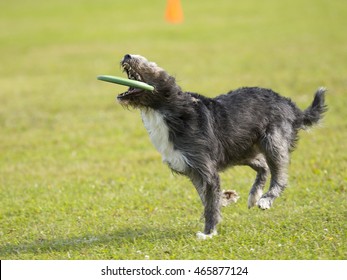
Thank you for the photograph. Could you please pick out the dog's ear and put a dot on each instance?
(165, 84)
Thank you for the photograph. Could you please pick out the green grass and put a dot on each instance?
(79, 178)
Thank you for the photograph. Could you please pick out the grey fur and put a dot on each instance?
(248, 126)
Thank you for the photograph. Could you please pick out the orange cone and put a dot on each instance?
(174, 13)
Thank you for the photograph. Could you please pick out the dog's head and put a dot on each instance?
(140, 69)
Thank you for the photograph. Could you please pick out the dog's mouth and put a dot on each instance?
(132, 75)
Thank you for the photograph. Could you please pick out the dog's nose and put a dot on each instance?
(127, 56)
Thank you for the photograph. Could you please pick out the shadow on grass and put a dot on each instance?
(118, 238)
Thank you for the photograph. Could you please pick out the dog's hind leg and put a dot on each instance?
(259, 164)
(276, 150)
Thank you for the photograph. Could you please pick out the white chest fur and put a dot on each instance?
(159, 134)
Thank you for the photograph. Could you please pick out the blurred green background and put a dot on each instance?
(79, 178)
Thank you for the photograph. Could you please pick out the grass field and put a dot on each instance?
(79, 178)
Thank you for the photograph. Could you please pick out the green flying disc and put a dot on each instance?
(125, 82)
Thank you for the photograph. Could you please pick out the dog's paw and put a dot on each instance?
(203, 236)
(253, 198)
(229, 197)
(265, 203)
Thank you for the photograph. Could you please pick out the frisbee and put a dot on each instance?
(125, 82)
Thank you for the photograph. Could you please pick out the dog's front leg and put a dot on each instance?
(213, 205)
(209, 190)
(200, 185)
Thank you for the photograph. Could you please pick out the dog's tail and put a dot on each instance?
(314, 113)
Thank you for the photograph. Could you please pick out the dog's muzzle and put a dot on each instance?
(126, 64)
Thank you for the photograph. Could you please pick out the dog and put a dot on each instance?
(199, 136)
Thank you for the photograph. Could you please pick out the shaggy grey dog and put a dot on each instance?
(199, 136)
